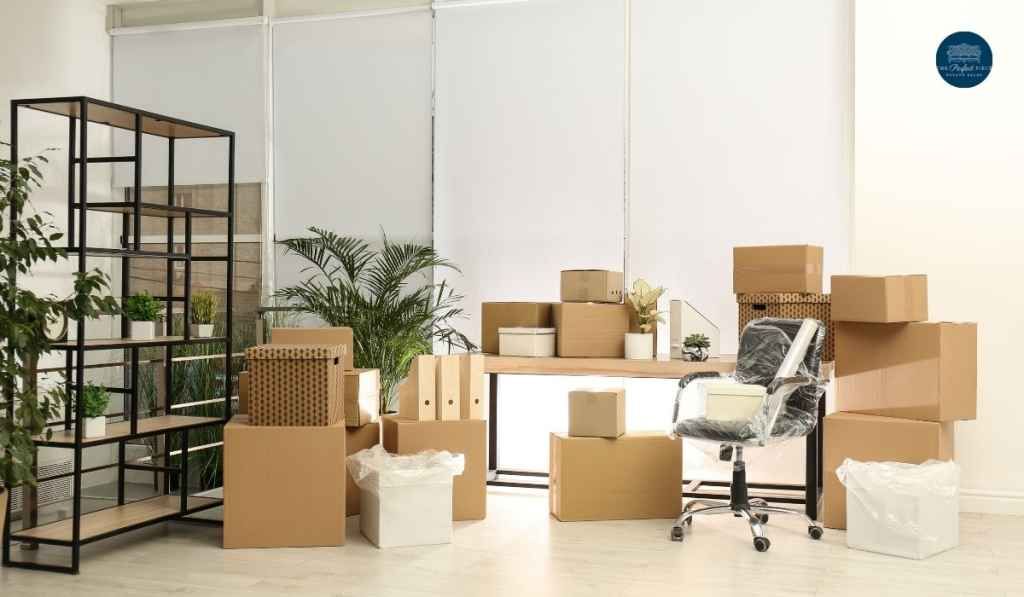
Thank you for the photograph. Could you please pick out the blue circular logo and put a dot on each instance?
(964, 59)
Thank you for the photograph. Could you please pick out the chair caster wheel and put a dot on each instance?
(815, 532)
(762, 543)
(763, 517)
(677, 534)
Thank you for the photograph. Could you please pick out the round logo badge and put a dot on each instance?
(964, 59)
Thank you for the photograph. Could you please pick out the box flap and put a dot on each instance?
(295, 351)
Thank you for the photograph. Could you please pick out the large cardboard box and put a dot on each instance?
(591, 286)
(880, 299)
(597, 413)
(926, 371)
(337, 335)
(362, 397)
(283, 486)
(405, 436)
(447, 391)
(357, 439)
(591, 329)
(510, 315)
(880, 439)
(296, 384)
(416, 395)
(789, 305)
(471, 386)
(638, 475)
(780, 268)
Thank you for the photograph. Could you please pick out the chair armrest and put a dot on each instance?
(685, 381)
(799, 380)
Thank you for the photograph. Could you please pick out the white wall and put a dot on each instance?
(938, 190)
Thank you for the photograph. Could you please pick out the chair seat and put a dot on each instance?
(791, 423)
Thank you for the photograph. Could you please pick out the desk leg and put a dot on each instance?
(492, 424)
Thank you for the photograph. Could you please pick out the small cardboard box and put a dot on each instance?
(243, 393)
(295, 385)
(920, 370)
(789, 305)
(283, 486)
(597, 413)
(526, 342)
(638, 475)
(357, 439)
(868, 438)
(416, 395)
(362, 397)
(447, 391)
(880, 299)
(471, 386)
(318, 336)
(469, 438)
(591, 286)
(510, 315)
(780, 268)
(591, 329)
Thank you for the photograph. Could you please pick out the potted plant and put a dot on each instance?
(204, 308)
(94, 408)
(644, 301)
(696, 346)
(142, 310)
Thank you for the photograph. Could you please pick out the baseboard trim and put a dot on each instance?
(992, 502)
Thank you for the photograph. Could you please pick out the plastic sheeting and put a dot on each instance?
(375, 468)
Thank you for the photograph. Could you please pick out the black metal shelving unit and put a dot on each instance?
(83, 528)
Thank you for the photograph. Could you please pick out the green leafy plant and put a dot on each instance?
(644, 300)
(695, 346)
(142, 307)
(94, 401)
(204, 307)
(385, 295)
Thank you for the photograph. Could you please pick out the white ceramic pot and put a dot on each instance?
(143, 330)
(640, 347)
(202, 330)
(95, 426)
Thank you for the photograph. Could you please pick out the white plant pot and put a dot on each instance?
(143, 330)
(202, 330)
(95, 426)
(640, 347)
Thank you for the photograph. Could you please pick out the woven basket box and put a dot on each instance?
(789, 305)
(293, 385)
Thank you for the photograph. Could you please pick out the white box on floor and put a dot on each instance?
(407, 515)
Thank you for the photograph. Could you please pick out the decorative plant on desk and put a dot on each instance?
(25, 318)
(644, 301)
(94, 409)
(369, 290)
(143, 310)
(696, 346)
(204, 309)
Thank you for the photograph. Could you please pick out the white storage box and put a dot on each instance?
(526, 342)
(405, 500)
(733, 401)
(907, 510)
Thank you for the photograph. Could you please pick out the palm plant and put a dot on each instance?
(370, 291)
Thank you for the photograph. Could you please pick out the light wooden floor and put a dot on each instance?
(520, 552)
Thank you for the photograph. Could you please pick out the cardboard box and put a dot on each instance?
(471, 386)
(790, 305)
(526, 342)
(592, 286)
(357, 439)
(638, 475)
(295, 385)
(407, 515)
(404, 436)
(780, 268)
(243, 393)
(591, 329)
(447, 392)
(926, 371)
(318, 336)
(510, 315)
(416, 395)
(868, 438)
(283, 486)
(362, 397)
(597, 413)
(880, 299)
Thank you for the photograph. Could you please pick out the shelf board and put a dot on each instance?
(99, 524)
(116, 343)
(123, 117)
(123, 430)
(154, 210)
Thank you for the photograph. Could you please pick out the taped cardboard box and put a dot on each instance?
(870, 438)
(362, 397)
(284, 486)
(417, 394)
(471, 386)
(789, 305)
(337, 335)
(591, 329)
(510, 315)
(779, 268)
(404, 436)
(591, 286)
(921, 370)
(295, 385)
(356, 439)
(597, 413)
(880, 299)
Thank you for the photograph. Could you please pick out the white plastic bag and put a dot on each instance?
(375, 468)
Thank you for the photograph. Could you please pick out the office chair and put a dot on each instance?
(790, 411)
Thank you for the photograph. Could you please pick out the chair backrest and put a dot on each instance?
(763, 346)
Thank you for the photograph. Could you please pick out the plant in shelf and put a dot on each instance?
(142, 310)
(644, 300)
(385, 295)
(204, 309)
(696, 346)
(94, 408)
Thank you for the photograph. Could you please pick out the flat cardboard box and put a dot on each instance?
(296, 384)
(416, 396)
(471, 386)
(362, 397)
(243, 393)
(591, 286)
(404, 436)
(597, 413)
(357, 439)
(779, 268)
(591, 329)
(510, 315)
(283, 486)
(338, 335)
(869, 438)
(638, 475)
(447, 391)
(880, 299)
(921, 370)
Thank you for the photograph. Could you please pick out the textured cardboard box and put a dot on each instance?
(447, 391)
(362, 397)
(880, 299)
(318, 336)
(597, 413)
(510, 315)
(779, 268)
(471, 386)
(591, 286)
(283, 486)
(638, 475)
(921, 370)
(404, 436)
(357, 439)
(591, 329)
(295, 385)
(789, 305)
(416, 396)
(870, 438)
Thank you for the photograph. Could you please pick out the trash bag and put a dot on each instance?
(375, 468)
